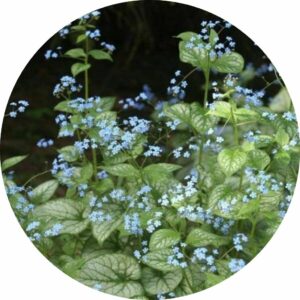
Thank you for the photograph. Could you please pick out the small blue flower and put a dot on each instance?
(44, 143)
(153, 151)
(236, 264)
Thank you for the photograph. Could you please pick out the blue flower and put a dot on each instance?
(239, 240)
(289, 116)
(153, 151)
(33, 225)
(236, 264)
(54, 231)
(132, 224)
(44, 143)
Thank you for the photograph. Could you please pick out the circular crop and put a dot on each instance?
(160, 154)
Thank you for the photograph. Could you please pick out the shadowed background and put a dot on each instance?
(147, 53)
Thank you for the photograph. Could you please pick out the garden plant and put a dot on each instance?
(163, 204)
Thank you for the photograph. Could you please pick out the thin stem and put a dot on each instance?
(278, 78)
(241, 181)
(35, 176)
(206, 88)
(228, 251)
(86, 94)
(253, 229)
(235, 128)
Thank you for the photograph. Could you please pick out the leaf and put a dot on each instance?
(156, 282)
(60, 209)
(86, 171)
(229, 63)
(64, 107)
(159, 260)
(103, 185)
(163, 238)
(77, 68)
(213, 37)
(106, 115)
(258, 159)
(220, 192)
(116, 273)
(103, 230)
(81, 38)
(200, 120)
(270, 201)
(281, 137)
(161, 168)
(186, 36)
(245, 115)
(180, 111)
(222, 267)
(74, 226)
(283, 158)
(122, 170)
(12, 161)
(232, 160)
(199, 237)
(107, 103)
(44, 191)
(190, 114)
(69, 153)
(281, 102)
(100, 54)
(65, 211)
(193, 279)
(195, 56)
(76, 53)
(290, 127)
(213, 279)
(221, 109)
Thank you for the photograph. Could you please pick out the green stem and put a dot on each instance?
(241, 181)
(35, 176)
(227, 252)
(206, 88)
(86, 94)
(253, 229)
(235, 128)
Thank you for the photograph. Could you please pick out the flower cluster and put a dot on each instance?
(132, 224)
(177, 258)
(54, 230)
(236, 264)
(239, 241)
(17, 107)
(206, 258)
(66, 86)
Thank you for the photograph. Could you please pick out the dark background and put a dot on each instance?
(147, 52)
